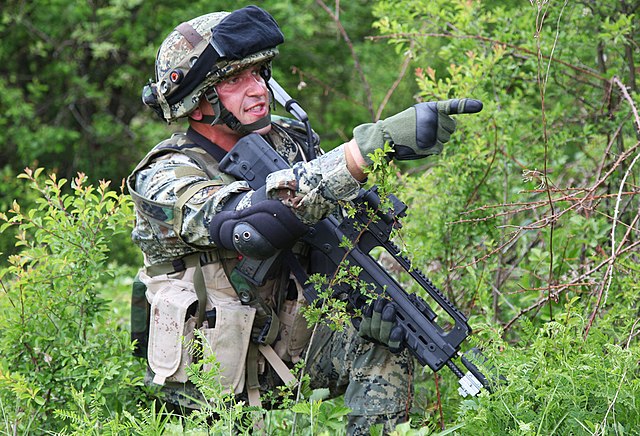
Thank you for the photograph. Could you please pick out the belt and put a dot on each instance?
(189, 261)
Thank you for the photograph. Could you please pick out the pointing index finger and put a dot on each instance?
(460, 106)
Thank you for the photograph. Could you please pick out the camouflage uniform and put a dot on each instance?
(375, 383)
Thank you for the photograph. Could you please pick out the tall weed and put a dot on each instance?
(560, 384)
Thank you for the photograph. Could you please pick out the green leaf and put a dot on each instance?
(302, 408)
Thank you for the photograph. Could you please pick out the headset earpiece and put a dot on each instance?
(150, 98)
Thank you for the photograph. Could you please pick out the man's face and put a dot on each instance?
(246, 96)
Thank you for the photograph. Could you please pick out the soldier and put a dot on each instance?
(214, 71)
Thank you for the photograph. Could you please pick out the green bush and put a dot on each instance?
(61, 350)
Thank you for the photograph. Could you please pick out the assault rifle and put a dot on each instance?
(432, 344)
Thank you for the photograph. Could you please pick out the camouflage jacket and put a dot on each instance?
(185, 198)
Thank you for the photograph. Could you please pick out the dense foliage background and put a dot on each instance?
(528, 220)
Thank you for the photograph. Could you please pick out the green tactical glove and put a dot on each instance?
(379, 325)
(416, 132)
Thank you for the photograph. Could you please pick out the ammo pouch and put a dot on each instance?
(140, 310)
(173, 321)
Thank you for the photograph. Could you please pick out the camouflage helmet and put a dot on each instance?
(203, 51)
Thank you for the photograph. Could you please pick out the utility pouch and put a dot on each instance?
(171, 331)
(228, 340)
(140, 310)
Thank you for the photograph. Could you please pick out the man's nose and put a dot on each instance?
(256, 85)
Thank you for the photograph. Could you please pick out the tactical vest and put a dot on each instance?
(168, 218)
(293, 332)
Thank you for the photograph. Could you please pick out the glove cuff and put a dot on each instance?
(369, 138)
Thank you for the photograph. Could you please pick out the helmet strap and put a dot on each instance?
(223, 116)
(265, 72)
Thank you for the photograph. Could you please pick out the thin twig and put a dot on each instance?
(410, 35)
(604, 291)
(356, 60)
(394, 86)
(563, 287)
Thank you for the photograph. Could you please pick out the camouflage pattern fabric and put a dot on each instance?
(161, 183)
(176, 47)
(376, 384)
(184, 395)
(312, 189)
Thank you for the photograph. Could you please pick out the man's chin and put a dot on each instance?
(266, 129)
